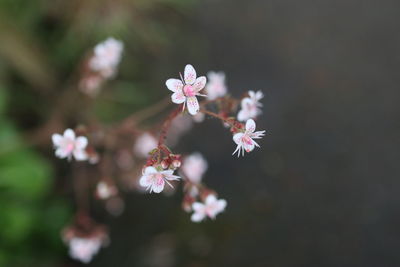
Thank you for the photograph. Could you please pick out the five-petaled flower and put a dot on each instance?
(216, 85)
(154, 180)
(186, 89)
(68, 145)
(107, 56)
(244, 140)
(194, 166)
(250, 106)
(210, 208)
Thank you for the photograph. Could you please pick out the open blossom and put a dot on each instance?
(244, 140)
(194, 167)
(250, 106)
(67, 145)
(216, 85)
(107, 56)
(144, 144)
(210, 208)
(154, 180)
(83, 249)
(186, 89)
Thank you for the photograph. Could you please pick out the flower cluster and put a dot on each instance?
(193, 168)
(128, 151)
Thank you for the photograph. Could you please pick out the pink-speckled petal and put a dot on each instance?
(200, 83)
(174, 85)
(250, 126)
(178, 97)
(193, 105)
(190, 74)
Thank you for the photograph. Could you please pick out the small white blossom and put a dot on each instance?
(144, 144)
(216, 86)
(186, 89)
(244, 140)
(67, 145)
(83, 249)
(250, 106)
(155, 180)
(194, 166)
(210, 208)
(107, 56)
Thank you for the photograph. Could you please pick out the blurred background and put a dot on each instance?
(323, 190)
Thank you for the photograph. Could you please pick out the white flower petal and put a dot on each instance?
(174, 85)
(193, 105)
(158, 186)
(210, 199)
(199, 83)
(150, 170)
(81, 142)
(248, 146)
(68, 133)
(250, 126)
(237, 138)
(243, 115)
(197, 217)
(221, 205)
(62, 153)
(178, 97)
(80, 154)
(246, 103)
(197, 206)
(145, 181)
(189, 74)
(57, 139)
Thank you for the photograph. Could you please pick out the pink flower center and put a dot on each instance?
(189, 90)
(70, 147)
(247, 140)
(159, 178)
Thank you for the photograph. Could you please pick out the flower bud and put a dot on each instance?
(176, 163)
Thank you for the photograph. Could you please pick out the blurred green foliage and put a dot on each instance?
(26, 218)
(42, 44)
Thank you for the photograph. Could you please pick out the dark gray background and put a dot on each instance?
(323, 190)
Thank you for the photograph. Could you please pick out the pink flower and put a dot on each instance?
(250, 106)
(154, 180)
(186, 90)
(216, 85)
(83, 249)
(68, 145)
(244, 140)
(194, 166)
(144, 144)
(210, 208)
(107, 56)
